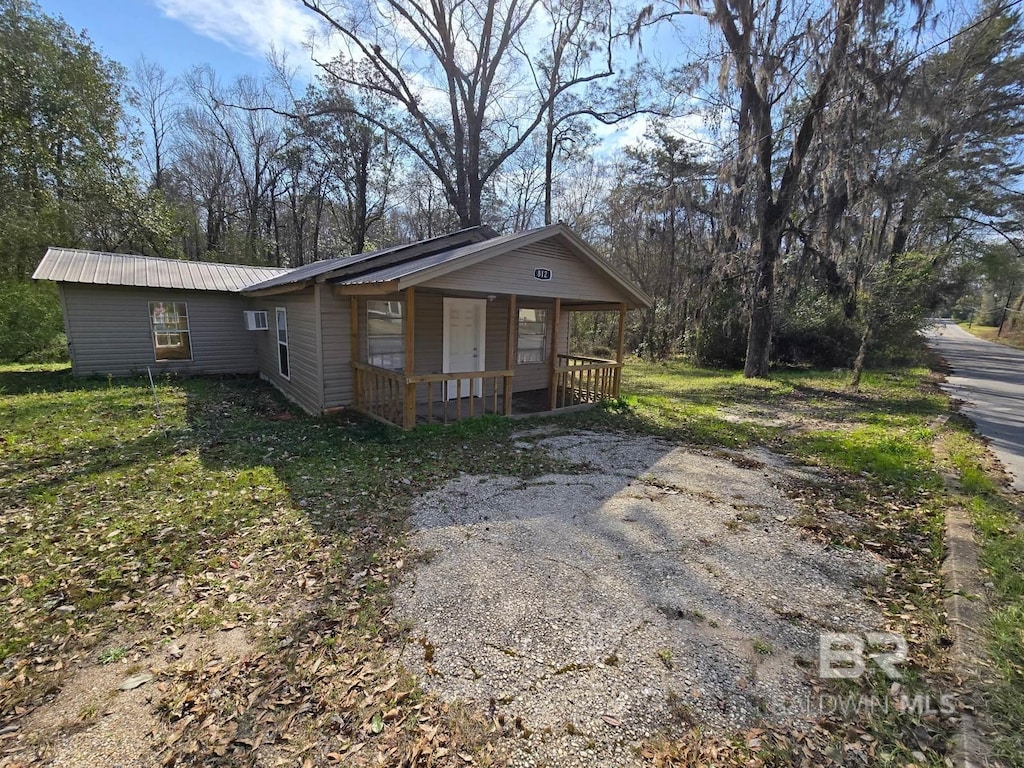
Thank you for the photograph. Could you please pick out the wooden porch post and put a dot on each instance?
(409, 417)
(620, 353)
(510, 351)
(357, 387)
(553, 388)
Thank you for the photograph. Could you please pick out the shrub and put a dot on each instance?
(719, 338)
(816, 333)
(31, 323)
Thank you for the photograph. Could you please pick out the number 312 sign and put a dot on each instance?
(542, 274)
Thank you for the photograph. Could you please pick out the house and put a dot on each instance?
(452, 326)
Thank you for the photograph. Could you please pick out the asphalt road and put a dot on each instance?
(989, 379)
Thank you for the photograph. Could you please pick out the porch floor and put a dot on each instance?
(523, 404)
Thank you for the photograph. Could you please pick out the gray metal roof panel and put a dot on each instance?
(297, 274)
(318, 268)
(79, 266)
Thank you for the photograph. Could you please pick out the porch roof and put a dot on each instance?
(420, 269)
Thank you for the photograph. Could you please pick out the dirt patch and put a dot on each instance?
(105, 711)
(758, 416)
(658, 590)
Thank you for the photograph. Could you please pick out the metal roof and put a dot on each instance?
(71, 265)
(398, 271)
(314, 270)
(408, 264)
(318, 268)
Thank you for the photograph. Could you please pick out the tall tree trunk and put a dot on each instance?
(762, 315)
(900, 238)
(773, 206)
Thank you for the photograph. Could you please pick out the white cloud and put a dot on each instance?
(254, 27)
(694, 127)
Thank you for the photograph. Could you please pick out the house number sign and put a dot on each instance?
(542, 274)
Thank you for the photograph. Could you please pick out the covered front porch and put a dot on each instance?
(423, 356)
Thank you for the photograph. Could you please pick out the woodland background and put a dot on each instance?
(815, 179)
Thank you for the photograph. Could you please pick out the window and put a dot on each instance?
(282, 342)
(533, 336)
(385, 334)
(170, 330)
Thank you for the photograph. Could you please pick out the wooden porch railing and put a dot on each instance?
(577, 379)
(395, 398)
(379, 393)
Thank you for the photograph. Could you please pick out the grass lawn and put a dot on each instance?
(121, 530)
(1009, 338)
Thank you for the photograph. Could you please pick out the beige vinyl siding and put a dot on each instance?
(336, 336)
(513, 272)
(429, 333)
(109, 331)
(495, 334)
(304, 386)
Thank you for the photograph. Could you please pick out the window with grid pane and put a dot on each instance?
(171, 337)
(385, 334)
(533, 335)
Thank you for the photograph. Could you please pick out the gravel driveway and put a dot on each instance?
(654, 590)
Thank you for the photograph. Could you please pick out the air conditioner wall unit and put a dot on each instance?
(256, 320)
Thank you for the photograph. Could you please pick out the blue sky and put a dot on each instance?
(233, 36)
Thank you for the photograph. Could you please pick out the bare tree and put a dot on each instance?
(254, 138)
(202, 179)
(361, 157)
(580, 30)
(580, 81)
(456, 71)
(153, 94)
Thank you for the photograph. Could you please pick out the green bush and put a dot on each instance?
(719, 338)
(816, 333)
(31, 327)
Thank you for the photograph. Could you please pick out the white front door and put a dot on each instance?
(464, 333)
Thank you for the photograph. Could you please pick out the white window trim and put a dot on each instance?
(187, 332)
(401, 303)
(547, 345)
(278, 311)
